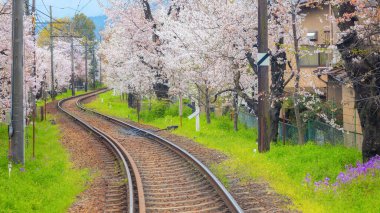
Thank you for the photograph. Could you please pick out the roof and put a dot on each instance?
(338, 73)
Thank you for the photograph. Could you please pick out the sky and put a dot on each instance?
(88, 7)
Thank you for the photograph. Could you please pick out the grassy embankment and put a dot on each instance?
(48, 183)
(60, 96)
(284, 167)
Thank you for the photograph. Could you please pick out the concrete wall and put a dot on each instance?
(351, 120)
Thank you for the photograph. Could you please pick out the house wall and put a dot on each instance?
(351, 120)
(314, 21)
(334, 92)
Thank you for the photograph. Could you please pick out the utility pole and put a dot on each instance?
(100, 70)
(94, 68)
(86, 66)
(263, 78)
(27, 11)
(100, 65)
(16, 130)
(52, 55)
(33, 99)
(72, 64)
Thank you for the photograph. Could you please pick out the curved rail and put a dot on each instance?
(226, 196)
(121, 153)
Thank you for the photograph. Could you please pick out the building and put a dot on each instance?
(332, 83)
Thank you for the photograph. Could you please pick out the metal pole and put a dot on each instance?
(17, 124)
(52, 55)
(263, 112)
(86, 67)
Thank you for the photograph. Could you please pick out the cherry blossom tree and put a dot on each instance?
(5, 53)
(33, 83)
(126, 40)
(6, 59)
(359, 45)
(204, 44)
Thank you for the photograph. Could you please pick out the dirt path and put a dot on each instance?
(86, 152)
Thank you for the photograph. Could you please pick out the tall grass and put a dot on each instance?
(284, 167)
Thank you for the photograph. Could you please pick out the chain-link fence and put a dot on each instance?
(287, 133)
(249, 120)
(323, 133)
(320, 133)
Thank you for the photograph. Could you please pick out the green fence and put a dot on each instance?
(316, 131)
(248, 119)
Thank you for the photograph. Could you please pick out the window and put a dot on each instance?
(313, 59)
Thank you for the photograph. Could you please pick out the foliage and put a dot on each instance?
(84, 26)
(329, 109)
(284, 167)
(80, 25)
(42, 78)
(48, 183)
(60, 26)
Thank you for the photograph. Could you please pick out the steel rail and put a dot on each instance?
(120, 153)
(223, 192)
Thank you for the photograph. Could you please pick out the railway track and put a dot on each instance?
(162, 177)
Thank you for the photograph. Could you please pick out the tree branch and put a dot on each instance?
(251, 61)
(221, 92)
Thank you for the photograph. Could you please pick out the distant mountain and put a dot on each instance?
(100, 22)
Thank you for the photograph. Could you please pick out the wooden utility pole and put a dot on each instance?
(16, 130)
(263, 78)
(86, 66)
(52, 55)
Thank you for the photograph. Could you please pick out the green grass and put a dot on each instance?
(284, 167)
(61, 96)
(49, 182)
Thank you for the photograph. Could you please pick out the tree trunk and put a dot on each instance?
(207, 106)
(236, 111)
(365, 79)
(161, 89)
(138, 108)
(300, 127)
(274, 119)
(180, 110)
(301, 137)
(277, 89)
(369, 114)
(132, 101)
(150, 104)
